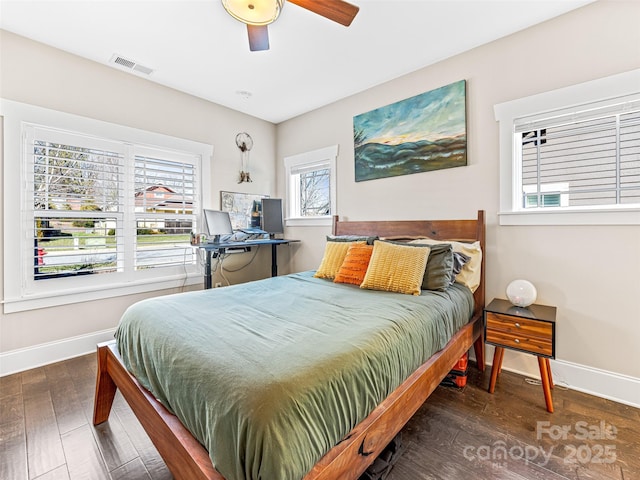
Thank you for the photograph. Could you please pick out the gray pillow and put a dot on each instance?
(437, 275)
(351, 238)
(459, 260)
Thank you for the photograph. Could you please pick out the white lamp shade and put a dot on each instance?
(253, 12)
(521, 293)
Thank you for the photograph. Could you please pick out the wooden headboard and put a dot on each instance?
(461, 230)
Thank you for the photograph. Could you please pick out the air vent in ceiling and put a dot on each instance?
(130, 64)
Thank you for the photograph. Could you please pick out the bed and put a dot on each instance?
(347, 455)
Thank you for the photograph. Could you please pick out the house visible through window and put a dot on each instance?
(572, 156)
(311, 187)
(595, 159)
(165, 219)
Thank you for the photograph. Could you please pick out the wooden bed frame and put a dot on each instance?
(186, 458)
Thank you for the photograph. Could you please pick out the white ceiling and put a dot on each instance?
(196, 47)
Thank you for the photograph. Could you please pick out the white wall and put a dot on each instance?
(33, 73)
(589, 273)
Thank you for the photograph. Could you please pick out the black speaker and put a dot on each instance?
(272, 215)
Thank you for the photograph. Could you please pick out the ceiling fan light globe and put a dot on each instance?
(254, 12)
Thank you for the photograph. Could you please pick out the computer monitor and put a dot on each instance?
(218, 223)
(272, 216)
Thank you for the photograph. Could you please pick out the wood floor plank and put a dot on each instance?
(44, 448)
(66, 400)
(133, 470)
(147, 451)
(59, 473)
(11, 409)
(13, 451)
(117, 450)
(34, 375)
(84, 461)
(11, 385)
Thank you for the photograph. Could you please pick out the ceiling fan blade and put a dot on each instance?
(336, 10)
(258, 37)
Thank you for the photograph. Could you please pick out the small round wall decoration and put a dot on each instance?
(521, 293)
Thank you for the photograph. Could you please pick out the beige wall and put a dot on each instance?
(589, 273)
(40, 75)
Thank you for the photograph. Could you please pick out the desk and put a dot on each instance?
(212, 250)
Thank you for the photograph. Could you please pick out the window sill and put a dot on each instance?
(326, 221)
(59, 298)
(619, 216)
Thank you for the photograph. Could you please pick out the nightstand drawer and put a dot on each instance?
(519, 326)
(520, 341)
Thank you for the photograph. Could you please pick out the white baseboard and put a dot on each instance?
(31, 357)
(610, 385)
(593, 381)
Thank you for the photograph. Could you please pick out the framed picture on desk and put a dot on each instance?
(240, 207)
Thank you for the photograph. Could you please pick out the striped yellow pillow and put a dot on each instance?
(334, 255)
(396, 268)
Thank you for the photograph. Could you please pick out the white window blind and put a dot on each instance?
(77, 186)
(586, 157)
(165, 195)
(106, 207)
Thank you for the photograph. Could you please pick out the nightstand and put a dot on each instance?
(529, 330)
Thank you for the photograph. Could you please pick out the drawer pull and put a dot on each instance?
(517, 340)
(517, 325)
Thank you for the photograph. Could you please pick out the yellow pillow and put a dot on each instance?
(355, 264)
(396, 268)
(334, 255)
(470, 274)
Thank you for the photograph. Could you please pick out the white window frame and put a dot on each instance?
(602, 91)
(322, 158)
(19, 294)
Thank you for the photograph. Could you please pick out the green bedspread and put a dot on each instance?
(270, 375)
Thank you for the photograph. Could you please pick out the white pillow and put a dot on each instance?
(470, 274)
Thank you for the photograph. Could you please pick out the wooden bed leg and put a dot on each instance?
(546, 360)
(105, 388)
(545, 376)
(498, 355)
(478, 348)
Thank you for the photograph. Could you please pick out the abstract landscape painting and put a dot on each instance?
(419, 134)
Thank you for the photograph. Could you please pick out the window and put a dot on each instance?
(572, 165)
(311, 187)
(103, 213)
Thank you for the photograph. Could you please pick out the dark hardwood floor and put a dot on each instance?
(46, 432)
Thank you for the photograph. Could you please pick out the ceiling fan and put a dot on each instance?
(257, 14)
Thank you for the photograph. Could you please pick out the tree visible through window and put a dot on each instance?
(76, 207)
(314, 193)
(311, 185)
